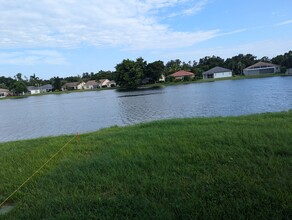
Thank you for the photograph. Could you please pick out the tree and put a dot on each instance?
(172, 66)
(237, 63)
(154, 70)
(19, 87)
(34, 80)
(130, 73)
(207, 62)
(18, 77)
(57, 83)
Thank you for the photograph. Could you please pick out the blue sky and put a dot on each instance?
(69, 37)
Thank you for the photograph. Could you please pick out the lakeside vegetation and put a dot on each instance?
(132, 73)
(206, 168)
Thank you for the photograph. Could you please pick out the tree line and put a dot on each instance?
(130, 73)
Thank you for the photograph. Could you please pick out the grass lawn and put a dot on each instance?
(206, 168)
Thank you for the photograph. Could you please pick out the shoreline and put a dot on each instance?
(152, 86)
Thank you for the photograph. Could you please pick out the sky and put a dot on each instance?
(69, 37)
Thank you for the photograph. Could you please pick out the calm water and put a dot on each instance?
(89, 111)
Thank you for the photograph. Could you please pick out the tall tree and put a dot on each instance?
(130, 73)
(57, 85)
(154, 70)
(19, 87)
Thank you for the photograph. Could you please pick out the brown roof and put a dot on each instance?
(4, 90)
(71, 84)
(102, 80)
(91, 83)
(260, 65)
(182, 73)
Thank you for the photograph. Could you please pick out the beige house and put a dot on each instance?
(4, 93)
(103, 83)
(73, 86)
(261, 68)
(91, 84)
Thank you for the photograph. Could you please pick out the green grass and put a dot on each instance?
(205, 168)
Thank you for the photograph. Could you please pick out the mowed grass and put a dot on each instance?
(201, 168)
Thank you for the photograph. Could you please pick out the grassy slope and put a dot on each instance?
(235, 167)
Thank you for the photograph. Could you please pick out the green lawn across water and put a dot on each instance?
(199, 168)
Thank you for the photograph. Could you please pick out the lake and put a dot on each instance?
(72, 113)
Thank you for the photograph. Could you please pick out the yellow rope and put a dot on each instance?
(29, 178)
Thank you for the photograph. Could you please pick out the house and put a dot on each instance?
(180, 75)
(72, 86)
(46, 88)
(33, 90)
(103, 83)
(162, 78)
(91, 84)
(217, 72)
(289, 71)
(81, 85)
(261, 68)
(4, 93)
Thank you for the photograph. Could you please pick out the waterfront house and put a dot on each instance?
(289, 71)
(180, 75)
(162, 78)
(91, 84)
(33, 90)
(103, 83)
(4, 93)
(217, 72)
(73, 86)
(46, 88)
(261, 68)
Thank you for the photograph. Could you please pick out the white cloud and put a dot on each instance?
(131, 24)
(32, 57)
(284, 23)
(194, 9)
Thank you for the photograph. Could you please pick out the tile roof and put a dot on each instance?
(216, 69)
(261, 64)
(91, 83)
(4, 90)
(71, 84)
(182, 73)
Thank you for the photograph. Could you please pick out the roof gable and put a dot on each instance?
(261, 65)
(182, 73)
(216, 69)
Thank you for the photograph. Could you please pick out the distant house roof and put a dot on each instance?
(47, 86)
(4, 90)
(182, 73)
(71, 84)
(261, 65)
(216, 69)
(30, 88)
(103, 80)
(91, 83)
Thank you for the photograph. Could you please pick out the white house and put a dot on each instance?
(91, 84)
(46, 88)
(261, 68)
(33, 90)
(4, 93)
(289, 71)
(81, 85)
(217, 72)
(162, 78)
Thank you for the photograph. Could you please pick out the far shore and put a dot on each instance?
(150, 86)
